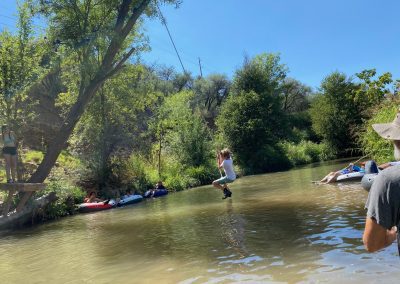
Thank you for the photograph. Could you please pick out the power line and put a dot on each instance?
(15, 19)
(187, 60)
(8, 25)
(169, 34)
(160, 44)
(8, 17)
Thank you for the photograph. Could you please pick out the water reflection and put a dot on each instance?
(277, 228)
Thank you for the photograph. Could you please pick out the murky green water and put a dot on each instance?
(277, 228)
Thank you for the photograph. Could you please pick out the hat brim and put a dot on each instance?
(387, 130)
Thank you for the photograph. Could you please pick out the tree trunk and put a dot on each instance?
(57, 145)
(28, 214)
(107, 69)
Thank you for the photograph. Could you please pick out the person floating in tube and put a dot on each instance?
(332, 176)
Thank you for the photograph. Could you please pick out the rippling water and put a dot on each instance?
(277, 228)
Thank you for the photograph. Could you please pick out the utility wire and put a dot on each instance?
(164, 22)
(9, 17)
(160, 44)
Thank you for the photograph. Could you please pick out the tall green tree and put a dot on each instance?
(210, 92)
(334, 113)
(295, 96)
(20, 66)
(371, 90)
(115, 122)
(99, 36)
(184, 132)
(252, 119)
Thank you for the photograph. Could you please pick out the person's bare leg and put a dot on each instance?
(325, 179)
(7, 159)
(217, 185)
(333, 177)
(13, 166)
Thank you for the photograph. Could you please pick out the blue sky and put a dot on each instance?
(313, 37)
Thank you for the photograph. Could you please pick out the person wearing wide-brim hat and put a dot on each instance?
(390, 131)
(383, 203)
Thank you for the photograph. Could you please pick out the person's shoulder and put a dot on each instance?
(389, 177)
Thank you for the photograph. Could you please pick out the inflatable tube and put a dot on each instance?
(367, 181)
(157, 193)
(97, 206)
(350, 176)
(130, 200)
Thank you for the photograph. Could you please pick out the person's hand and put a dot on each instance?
(391, 235)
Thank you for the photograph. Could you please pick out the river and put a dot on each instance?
(277, 228)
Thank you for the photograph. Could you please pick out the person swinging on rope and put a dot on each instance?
(225, 162)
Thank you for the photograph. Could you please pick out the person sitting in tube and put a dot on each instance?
(332, 176)
(127, 193)
(92, 198)
(159, 185)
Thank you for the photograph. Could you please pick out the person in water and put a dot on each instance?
(332, 176)
(225, 162)
(9, 152)
(383, 202)
(92, 198)
(128, 193)
(159, 185)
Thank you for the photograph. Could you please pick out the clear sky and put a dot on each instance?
(313, 37)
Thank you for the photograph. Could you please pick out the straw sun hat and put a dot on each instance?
(389, 131)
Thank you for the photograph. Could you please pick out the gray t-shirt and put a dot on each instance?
(383, 203)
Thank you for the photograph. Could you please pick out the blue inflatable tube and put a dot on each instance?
(130, 200)
(368, 180)
(157, 193)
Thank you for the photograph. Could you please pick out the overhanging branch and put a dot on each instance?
(120, 64)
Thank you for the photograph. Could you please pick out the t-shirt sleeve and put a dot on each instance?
(383, 203)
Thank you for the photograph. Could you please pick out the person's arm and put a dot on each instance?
(384, 166)
(15, 139)
(220, 161)
(377, 237)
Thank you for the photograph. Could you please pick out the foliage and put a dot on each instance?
(20, 66)
(68, 195)
(95, 40)
(372, 92)
(139, 173)
(334, 113)
(307, 152)
(132, 173)
(262, 74)
(372, 144)
(184, 133)
(252, 120)
(210, 92)
(33, 157)
(295, 96)
(68, 168)
(115, 122)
